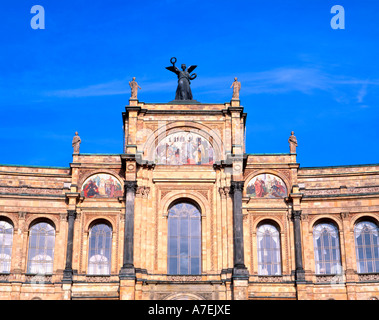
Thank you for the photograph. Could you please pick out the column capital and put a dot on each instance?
(237, 186)
(296, 214)
(130, 185)
(71, 214)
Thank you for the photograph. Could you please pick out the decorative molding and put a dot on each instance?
(38, 278)
(143, 192)
(270, 278)
(369, 277)
(98, 278)
(4, 276)
(329, 278)
(224, 191)
(345, 215)
(184, 278)
(341, 190)
(31, 190)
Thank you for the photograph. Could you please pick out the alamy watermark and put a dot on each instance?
(338, 20)
(38, 20)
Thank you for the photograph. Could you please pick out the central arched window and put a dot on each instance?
(367, 246)
(41, 248)
(184, 239)
(6, 240)
(269, 262)
(327, 249)
(100, 247)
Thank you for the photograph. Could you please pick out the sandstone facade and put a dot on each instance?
(138, 216)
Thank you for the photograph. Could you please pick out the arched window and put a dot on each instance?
(327, 249)
(100, 248)
(184, 239)
(367, 246)
(6, 241)
(41, 248)
(269, 261)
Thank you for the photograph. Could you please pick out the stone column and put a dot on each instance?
(238, 250)
(299, 272)
(67, 273)
(127, 269)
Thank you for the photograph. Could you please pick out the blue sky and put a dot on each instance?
(297, 73)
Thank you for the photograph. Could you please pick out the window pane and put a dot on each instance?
(173, 226)
(184, 247)
(41, 248)
(184, 228)
(195, 247)
(6, 241)
(172, 265)
(269, 259)
(172, 246)
(326, 248)
(367, 246)
(195, 265)
(100, 242)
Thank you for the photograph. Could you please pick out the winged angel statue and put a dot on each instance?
(183, 91)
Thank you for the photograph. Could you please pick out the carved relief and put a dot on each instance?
(184, 278)
(333, 191)
(142, 192)
(270, 279)
(31, 190)
(368, 277)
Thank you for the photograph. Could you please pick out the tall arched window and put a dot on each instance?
(327, 249)
(41, 248)
(268, 240)
(184, 239)
(100, 248)
(367, 246)
(6, 241)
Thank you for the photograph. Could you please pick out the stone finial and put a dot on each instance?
(236, 85)
(293, 142)
(76, 142)
(134, 87)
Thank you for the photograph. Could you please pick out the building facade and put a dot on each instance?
(185, 213)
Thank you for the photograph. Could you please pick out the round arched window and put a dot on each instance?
(100, 249)
(184, 239)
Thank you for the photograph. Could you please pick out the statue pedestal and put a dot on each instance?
(184, 102)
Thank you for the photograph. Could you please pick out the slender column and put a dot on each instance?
(299, 272)
(67, 273)
(127, 269)
(238, 250)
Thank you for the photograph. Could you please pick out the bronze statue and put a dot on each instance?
(183, 91)
(236, 85)
(134, 86)
(76, 142)
(293, 142)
